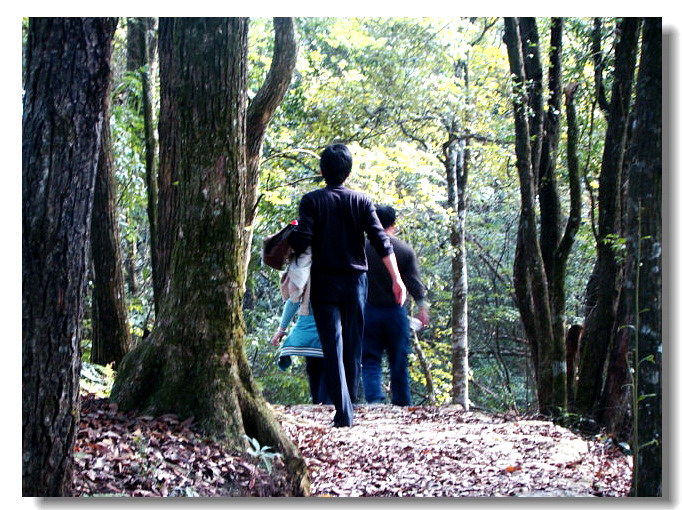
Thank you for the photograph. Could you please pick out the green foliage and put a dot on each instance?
(261, 454)
(97, 379)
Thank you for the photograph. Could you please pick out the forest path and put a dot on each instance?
(445, 452)
(389, 451)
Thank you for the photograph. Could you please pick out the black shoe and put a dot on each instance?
(339, 424)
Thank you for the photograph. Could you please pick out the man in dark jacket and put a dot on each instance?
(333, 221)
(386, 323)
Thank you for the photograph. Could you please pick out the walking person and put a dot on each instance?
(333, 221)
(387, 327)
(303, 339)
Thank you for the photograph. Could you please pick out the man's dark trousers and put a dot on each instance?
(338, 302)
(386, 329)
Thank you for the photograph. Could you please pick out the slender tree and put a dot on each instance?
(66, 84)
(456, 162)
(141, 59)
(193, 363)
(110, 333)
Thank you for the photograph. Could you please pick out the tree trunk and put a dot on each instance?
(141, 52)
(644, 278)
(456, 168)
(564, 248)
(530, 280)
(426, 369)
(67, 80)
(598, 61)
(600, 325)
(131, 257)
(551, 219)
(614, 409)
(532, 65)
(193, 363)
(110, 333)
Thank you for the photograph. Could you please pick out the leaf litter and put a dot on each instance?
(389, 452)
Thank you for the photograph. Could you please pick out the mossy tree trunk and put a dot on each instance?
(193, 363)
(67, 81)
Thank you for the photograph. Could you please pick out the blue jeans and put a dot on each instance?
(386, 328)
(338, 303)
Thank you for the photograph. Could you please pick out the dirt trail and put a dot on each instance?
(444, 452)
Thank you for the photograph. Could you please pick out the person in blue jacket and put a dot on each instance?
(303, 339)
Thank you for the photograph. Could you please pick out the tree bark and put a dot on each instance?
(193, 363)
(67, 80)
(598, 60)
(600, 325)
(532, 66)
(110, 333)
(644, 277)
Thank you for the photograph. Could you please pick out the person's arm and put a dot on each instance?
(290, 309)
(376, 234)
(414, 285)
(397, 285)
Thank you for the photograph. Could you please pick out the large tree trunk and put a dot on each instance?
(110, 333)
(600, 325)
(141, 59)
(194, 363)
(67, 79)
(644, 277)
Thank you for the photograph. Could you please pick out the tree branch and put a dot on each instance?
(270, 95)
(598, 59)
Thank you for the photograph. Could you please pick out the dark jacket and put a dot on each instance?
(333, 221)
(379, 284)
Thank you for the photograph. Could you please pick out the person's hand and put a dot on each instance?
(423, 316)
(277, 337)
(399, 291)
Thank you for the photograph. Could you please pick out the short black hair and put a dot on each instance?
(386, 215)
(336, 162)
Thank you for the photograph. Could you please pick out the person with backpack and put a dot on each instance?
(333, 221)
(303, 339)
